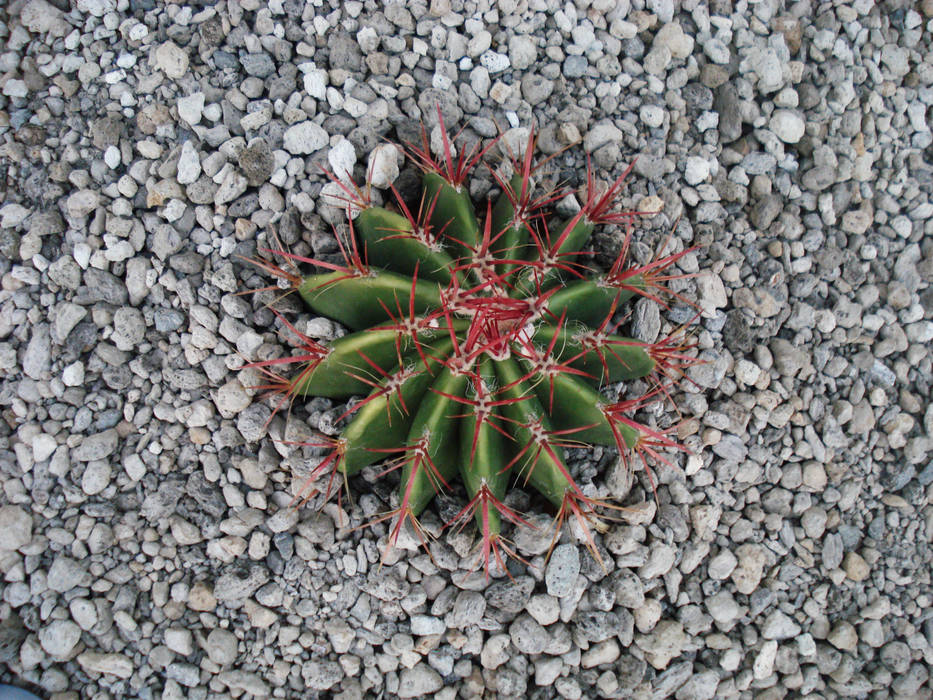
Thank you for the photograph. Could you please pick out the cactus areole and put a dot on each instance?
(482, 342)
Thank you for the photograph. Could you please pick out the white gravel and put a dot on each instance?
(148, 544)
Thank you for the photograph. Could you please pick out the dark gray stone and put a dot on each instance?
(729, 106)
(259, 65)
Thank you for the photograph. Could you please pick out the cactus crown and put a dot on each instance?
(481, 340)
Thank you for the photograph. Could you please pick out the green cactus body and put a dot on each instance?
(540, 459)
(453, 215)
(390, 238)
(363, 301)
(481, 344)
(591, 300)
(483, 450)
(514, 234)
(603, 358)
(385, 419)
(577, 408)
(431, 450)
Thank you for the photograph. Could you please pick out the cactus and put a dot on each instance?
(482, 341)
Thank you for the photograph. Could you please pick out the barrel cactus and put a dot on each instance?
(482, 342)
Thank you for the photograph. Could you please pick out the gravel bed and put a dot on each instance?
(147, 544)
